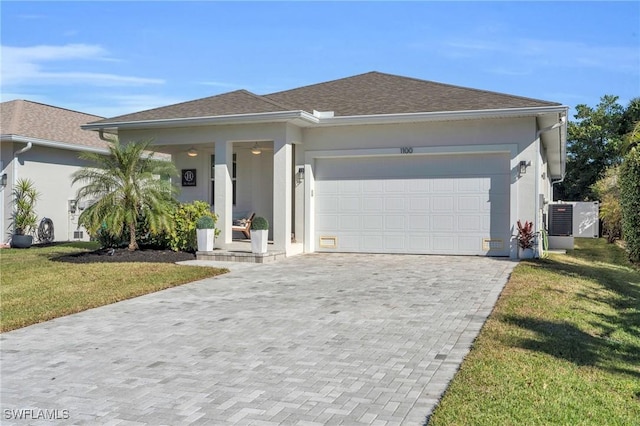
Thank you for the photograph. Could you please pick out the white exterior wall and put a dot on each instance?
(516, 136)
(50, 169)
(256, 176)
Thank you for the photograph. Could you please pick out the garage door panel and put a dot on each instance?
(444, 185)
(469, 203)
(372, 204)
(349, 187)
(394, 222)
(412, 204)
(419, 222)
(393, 186)
(395, 243)
(372, 222)
(443, 204)
(443, 223)
(419, 203)
(394, 204)
(468, 223)
(372, 187)
(350, 204)
(349, 222)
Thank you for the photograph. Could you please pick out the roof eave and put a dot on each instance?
(53, 144)
(300, 117)
(439, 116)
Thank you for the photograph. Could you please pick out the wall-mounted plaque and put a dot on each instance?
(188, 177)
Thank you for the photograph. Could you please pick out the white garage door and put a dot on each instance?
(453, 204)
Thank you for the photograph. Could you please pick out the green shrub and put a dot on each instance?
(630, 201)
(205, 222)
(185, 216)
(108, 240)
(259, 223)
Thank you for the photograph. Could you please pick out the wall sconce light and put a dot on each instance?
(255, 149)
(192, 152)
(3, 179)
(523, 167)
(300, 175)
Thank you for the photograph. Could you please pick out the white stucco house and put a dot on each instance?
(373, 163)
(42, 142)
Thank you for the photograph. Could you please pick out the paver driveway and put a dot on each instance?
(314, 339)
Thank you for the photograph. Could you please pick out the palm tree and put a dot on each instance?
(127, 184)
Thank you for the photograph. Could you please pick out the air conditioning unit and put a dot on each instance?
(561, 220)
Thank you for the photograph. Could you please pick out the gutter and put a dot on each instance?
(209, 120)
(51, 144)
(316, 120)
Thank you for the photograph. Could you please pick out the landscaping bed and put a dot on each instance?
(125, 255)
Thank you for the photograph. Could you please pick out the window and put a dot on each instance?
(213, 178)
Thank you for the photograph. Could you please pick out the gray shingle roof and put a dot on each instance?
(372, 93)
(232, 103)
(378, 93)
(40, 121)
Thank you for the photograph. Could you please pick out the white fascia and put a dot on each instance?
(440, 116)
(265, 117)
(53, 144)
(305, 119)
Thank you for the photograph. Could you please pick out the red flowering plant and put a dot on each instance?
(525, 234)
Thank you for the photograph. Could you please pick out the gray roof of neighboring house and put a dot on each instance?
(373, 93)
(35, 120)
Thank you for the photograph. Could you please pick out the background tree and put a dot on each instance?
(607, 190)
(630, 194)
(593, 145)
(127, 185)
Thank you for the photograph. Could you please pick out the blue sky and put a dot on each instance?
(112, 58)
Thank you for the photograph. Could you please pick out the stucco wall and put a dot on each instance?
(51, 169)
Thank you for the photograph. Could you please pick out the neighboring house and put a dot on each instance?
(371, 163)
(42, 142)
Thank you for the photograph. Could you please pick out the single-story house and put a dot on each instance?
(373, 163)
(42, 142)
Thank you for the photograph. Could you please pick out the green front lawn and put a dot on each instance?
(34, 288)
(561, 347)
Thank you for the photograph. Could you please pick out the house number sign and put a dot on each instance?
(406, 150)
(188, 177)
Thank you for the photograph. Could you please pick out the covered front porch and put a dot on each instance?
(240, 174)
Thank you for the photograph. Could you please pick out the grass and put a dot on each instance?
(35, 288)
(562, 346)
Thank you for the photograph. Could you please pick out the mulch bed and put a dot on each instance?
(124, 255)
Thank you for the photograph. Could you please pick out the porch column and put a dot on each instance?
(223, 201)
(282, 181)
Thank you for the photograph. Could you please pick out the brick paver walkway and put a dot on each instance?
(310, 340)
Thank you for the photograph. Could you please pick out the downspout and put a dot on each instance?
(15, 157)
(537, 181)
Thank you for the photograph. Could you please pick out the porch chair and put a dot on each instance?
(243, 225)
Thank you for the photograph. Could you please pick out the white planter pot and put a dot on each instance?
(526, 253)
(205, 239)
(259, 241)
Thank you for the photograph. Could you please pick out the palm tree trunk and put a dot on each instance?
(133, 245)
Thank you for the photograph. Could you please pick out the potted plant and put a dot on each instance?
(205, 229)
(525, 240)
(259, 235)
(25, 220)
